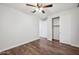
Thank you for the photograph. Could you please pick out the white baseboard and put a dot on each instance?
(71, 44)
(17, 45)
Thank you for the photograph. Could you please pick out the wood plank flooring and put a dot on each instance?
(43, 47)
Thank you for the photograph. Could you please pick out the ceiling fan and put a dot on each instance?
(39, 7)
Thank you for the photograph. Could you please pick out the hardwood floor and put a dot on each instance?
(43, 47)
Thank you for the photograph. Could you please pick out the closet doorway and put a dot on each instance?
(55, 28)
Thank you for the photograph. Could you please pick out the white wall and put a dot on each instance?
(16, 28)
(69, 26)
(43, 28)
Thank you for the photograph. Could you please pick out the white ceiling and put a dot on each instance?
(57, 7)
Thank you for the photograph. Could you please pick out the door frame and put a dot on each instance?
(53, 27)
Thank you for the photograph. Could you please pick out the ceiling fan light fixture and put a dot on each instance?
(39, 9)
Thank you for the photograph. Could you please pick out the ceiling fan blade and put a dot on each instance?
(30, 5)
(33, 11)
(51, 5)
(43, 11)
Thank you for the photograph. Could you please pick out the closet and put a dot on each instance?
(55, 28)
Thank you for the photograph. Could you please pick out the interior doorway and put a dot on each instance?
(55, 28)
